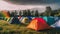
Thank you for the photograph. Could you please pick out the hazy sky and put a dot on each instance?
(8, 6)
(28, 4)
(36, 2)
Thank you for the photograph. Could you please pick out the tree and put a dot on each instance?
(36, 13)
(15, 13)
(48, 11)
(32, 13)
(58, 12)
(28, 13)
(9, 13)
(40, 14)
(24, 13)
(12, 14)
(20, 13)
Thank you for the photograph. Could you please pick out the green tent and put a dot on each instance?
(50, 20)
(7, 19)
(45, 18)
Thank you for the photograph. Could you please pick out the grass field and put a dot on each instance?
(6, 28)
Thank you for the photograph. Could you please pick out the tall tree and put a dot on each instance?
(9, 13)
(12, 14)
(24, 13)
(15, 13)
(28, 13)
(48, 11)
(20, 13)
(36, 13)
(32, 13)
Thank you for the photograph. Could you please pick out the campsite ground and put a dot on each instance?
(6, 28)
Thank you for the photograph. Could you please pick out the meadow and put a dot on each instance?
(7, 28)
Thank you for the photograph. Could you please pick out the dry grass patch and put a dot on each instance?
(7, 28)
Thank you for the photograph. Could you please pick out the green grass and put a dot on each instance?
(6, 28)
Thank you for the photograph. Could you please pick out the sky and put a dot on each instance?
(35, 2)
(9, 6)
(28, 4)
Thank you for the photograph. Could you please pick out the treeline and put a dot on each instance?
(48, 12)
(23, 13)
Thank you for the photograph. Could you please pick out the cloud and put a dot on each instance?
(8, 6)
(33, 1)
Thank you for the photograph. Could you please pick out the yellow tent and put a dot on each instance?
(25, 20)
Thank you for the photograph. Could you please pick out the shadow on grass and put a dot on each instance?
(50, 31)
(1, 28)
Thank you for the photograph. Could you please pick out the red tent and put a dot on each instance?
(38, 24)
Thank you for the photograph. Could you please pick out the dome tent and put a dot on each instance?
(7, 19)
(10, 20)
(33, 17)
(21, 19)
(56, 18)
(45, 18)
(38, 24)
(57, 23)
(29, 17)
(50, 20)
(14, 20)
(25, 20)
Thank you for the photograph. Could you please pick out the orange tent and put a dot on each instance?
(38, 24)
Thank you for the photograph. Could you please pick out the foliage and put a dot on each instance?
(20, 13)
(28, 13)
(36, 13)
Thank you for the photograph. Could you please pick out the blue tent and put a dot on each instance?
(33, 17)
(14, 20)
(50, 20)
(29, 17)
